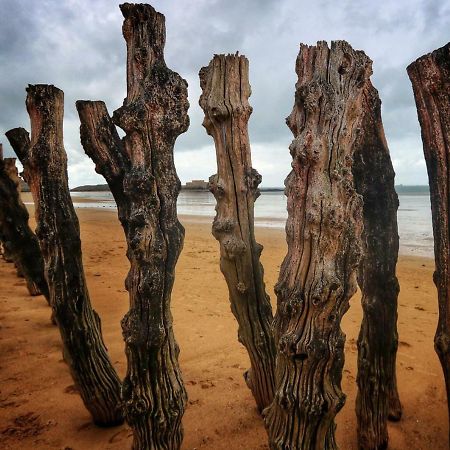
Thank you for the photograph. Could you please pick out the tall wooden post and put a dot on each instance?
(45, 166)
(318, 275)
(377, 398)
(430, 78)
(224, 100)
(141, 174)
(16, 234)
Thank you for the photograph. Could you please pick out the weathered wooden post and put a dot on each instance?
(318, 275)
(21, 242)
(141, 174)
(45, 166)
(377, 398)
(224, 100)
(430, 78)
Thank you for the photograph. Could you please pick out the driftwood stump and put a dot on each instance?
(224, 100)
(141, 174)
(430, 78)
(19, 240)
(373, 174)
(318, 275)
(45, 167)
(6, 251)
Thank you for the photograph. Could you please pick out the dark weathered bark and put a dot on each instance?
(45, 165)
(224, 100)
(373, 175)
(141, 174)
(18, 238)
(4, 243)
(318, 275)
(430, 78)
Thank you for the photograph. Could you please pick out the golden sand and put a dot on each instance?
(40, 409)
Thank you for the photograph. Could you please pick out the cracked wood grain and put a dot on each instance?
(224, 100)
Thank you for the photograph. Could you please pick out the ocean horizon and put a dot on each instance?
(414, 213)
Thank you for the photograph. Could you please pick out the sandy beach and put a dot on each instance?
(40, 408)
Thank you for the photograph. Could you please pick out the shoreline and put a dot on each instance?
(267, 223)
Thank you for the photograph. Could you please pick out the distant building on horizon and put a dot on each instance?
(196, 185)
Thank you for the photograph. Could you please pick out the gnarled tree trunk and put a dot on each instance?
(18, 238)
(373, 174)
(430, 78)
(141, 174)
(225, 102)
(318, 275)
(45, 165)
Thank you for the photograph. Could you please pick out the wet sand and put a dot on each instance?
(40, 409)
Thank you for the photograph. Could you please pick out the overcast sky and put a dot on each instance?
(78, 46)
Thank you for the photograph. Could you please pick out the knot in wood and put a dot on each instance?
(287, 343)
(136, 248)
(293, 305)
(135, 409)
(284, 398)
(308, 96)
(327, 290)
(216, 186)
(234, 247)
(137, 219)
(253, 180)
(241, 287)
(132, 331)
(219, 113)
(305, 152)
(149, 285)
(222, 226)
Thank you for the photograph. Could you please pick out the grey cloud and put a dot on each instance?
(78, 46)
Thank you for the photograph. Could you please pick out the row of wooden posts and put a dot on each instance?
(341, 231)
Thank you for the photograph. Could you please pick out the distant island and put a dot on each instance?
(201, 185)
(412, 190)
(91, 188)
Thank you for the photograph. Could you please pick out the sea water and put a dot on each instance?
(414, 214)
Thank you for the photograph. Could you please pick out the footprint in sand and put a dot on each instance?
(207, 384)
(26, 425)
(72, 389)
(85, 426)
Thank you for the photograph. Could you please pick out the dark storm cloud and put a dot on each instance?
(78, 46)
